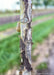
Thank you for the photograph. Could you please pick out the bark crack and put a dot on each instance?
(25, 60)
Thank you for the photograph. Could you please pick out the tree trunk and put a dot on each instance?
(26, 37)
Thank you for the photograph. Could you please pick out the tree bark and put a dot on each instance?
(26, 36)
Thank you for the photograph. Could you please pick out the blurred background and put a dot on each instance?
(42, 37)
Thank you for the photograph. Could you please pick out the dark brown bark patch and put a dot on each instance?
(22, 45)
(26, 8)
(26, 35)
(29, 25)
(25, 0)
(25, 60)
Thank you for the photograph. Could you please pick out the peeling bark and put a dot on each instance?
(26, 37)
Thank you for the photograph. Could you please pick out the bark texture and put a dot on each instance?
(26, 37)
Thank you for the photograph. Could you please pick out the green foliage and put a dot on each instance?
(42, 66)
(39, 3)
(41, 31)
(36, 2)
(41, 17)
(46, 2)
(51, 3)
(6, 26)
(9, 53)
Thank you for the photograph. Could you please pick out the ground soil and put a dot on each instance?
(46, 53)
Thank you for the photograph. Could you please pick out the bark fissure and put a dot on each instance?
(26, 37)
(25, 60)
